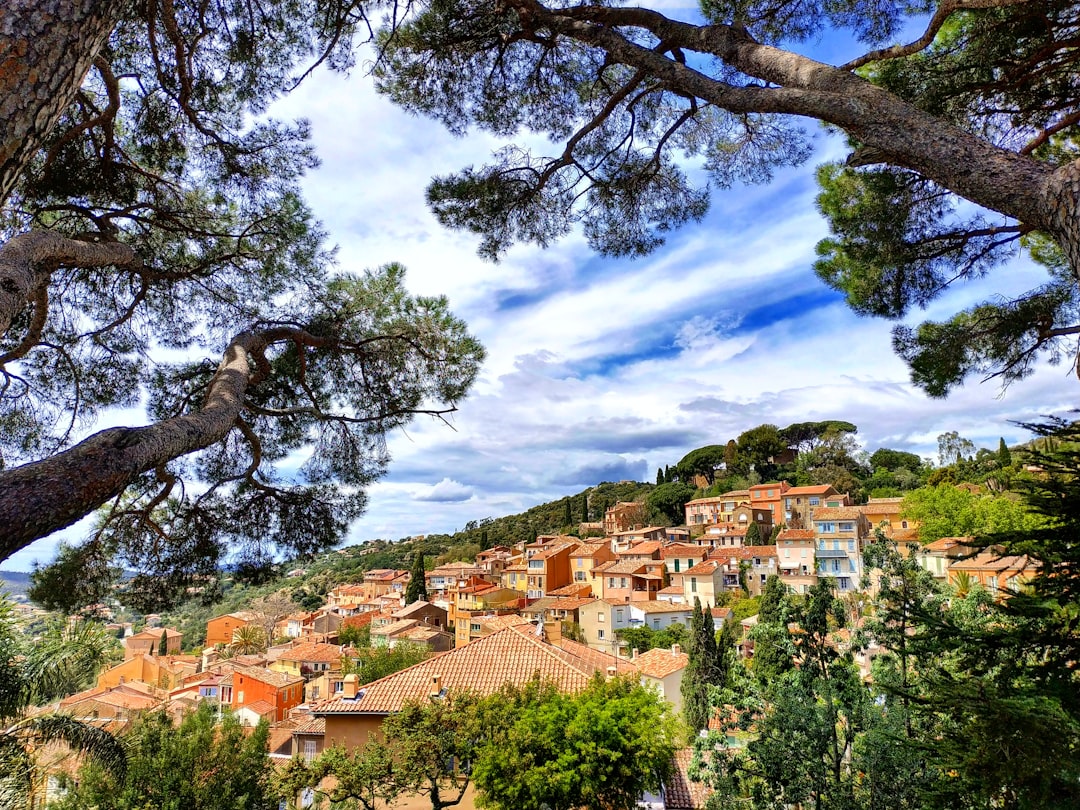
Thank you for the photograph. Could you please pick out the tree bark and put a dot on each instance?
(27, 261)
(39, 498)
(46, 49)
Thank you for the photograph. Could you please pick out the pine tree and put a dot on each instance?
(417, 589)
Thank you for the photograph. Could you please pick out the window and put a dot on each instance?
(693, 584)
(600, 634)
(474, 627)
(676, 565)
(618, 615)
(622, 582)
(827, 528)
(309, 750)
(903, 524)
(847, 527)
(814, 500)
(611, 582)
(656, 624)
(579, 576)
(600, 617)
(772, 493)
(850, 545)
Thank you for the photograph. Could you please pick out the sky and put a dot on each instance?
(606, 369)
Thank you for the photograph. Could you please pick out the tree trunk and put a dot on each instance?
(39, 498)
(27, 261)
(46, 49)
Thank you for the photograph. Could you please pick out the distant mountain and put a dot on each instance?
(14, 582)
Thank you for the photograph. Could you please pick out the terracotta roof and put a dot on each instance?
(680, 792)
(704, 567)
(989, 561)
(381, 574)
(500, 622)
(513, 655)
(681, 549)
(726, 554)
(814, 489)
(949, 543)
(329, 653)
(837, 513)
(394, 628)
(660, 662)
(796, 534)
(260, 707)
(892, 507)
(653, 606)
(267, 676)
(623, 567)
(313, 725)
(646, 547)
(574, 589)
(280, 736)
(587, 549)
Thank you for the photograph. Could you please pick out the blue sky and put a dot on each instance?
(603, 369)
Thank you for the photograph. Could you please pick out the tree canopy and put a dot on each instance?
(154, 249)
(962, 142)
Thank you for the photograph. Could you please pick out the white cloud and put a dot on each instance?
(446, 491)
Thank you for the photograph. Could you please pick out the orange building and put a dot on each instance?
(279, 689)
(220, 629)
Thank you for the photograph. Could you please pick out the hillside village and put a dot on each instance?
(557, 606)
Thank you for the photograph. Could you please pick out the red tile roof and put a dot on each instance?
(680, 792)
(512, 655)
(323, 653)
(660, 662)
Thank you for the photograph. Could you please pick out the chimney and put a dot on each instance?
(676, 649)
(350, 685)
(553, 632)
(436, 687)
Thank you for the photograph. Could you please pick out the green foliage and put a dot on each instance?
(774, 648)
(704, 462)
(373, 663)
(758, 447)
(950, 511)
(892, 460)
(667, 502)
(201, 764)
(361, 777)
(430, 742)
(417, 587)
(645, 638)
(805, 436)
(707, 667)
(63, 660)
(753, 535)
(356, 637)
(600, 749)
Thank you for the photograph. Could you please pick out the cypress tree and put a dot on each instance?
(163, 643)
(753, 536)
(706, 666)
(585, 507)
(568, 518)
(417, 588)
(1004, 457)
(660, 476)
